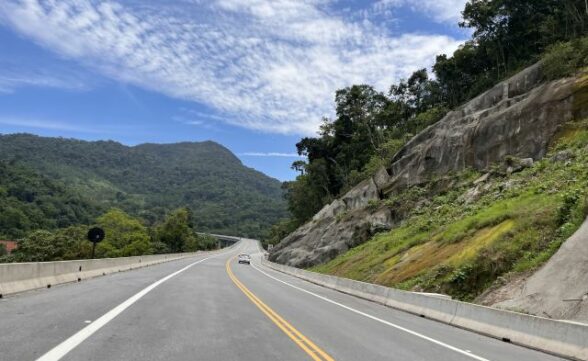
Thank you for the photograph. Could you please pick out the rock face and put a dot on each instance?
(517, 117)
(339, 226)
(560, 288)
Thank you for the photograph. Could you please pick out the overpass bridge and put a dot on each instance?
(223, 241)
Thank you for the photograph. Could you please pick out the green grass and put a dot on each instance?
(460, 249)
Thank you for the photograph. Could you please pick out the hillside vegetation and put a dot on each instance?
(30, 201)
(398, 214)
(125, 236)
(371, 126)
(73, 181)
(461, 241)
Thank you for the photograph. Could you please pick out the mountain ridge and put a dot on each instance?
(150, 179)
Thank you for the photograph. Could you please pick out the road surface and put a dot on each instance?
(210, 308)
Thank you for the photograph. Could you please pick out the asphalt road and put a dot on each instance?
(210, 308)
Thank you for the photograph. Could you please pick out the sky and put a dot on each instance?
(252, 75)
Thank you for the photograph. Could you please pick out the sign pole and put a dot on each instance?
(95, 235)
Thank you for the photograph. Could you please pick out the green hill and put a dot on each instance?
(30, 201)
(149, 180)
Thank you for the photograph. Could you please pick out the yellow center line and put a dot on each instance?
(315, 352)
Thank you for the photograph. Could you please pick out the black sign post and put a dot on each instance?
(95, 235)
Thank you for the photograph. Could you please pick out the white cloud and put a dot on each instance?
(45, 124)
(12, 78)
(271, 154)
(271, 65)
(181, 119)
(438, 10)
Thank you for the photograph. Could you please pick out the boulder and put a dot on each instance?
(360, 195)
(482, 179)
(331, 210)
(526, 163)
(562, 156)
(472, 194)
(316, 243)
(381, 178)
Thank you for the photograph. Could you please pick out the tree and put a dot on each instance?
(41, 246)
(207, 242)
(176, 231)
(299, 166)
(125, 235)
(76, 241)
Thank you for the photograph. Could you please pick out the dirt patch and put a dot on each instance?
(505, 288)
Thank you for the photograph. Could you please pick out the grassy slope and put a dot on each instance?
(449, 245)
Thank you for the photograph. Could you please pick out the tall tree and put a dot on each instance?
(125, 235)
(176, 231)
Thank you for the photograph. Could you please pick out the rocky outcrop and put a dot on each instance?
(559, 289)
(517, 118)
(339, 226)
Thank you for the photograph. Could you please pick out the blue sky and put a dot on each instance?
(253, 75)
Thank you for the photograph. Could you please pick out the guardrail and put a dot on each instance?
(19, 277)
(553, 336)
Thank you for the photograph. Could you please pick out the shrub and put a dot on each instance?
(564, 59)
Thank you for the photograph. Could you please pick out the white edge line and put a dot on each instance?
(414, 333)
(68, 345)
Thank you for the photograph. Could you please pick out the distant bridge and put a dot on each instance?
(223, 241)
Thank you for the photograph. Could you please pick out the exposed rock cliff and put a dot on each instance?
(517, 117)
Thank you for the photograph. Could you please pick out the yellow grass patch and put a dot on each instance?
(423, 257)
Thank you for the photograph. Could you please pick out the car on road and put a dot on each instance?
(244, 258)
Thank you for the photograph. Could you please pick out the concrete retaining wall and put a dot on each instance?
(19, 277)
(552, 336)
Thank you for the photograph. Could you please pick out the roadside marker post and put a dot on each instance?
(95, 235)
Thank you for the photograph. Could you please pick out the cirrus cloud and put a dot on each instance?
(271, 154)
(439, 10)
(272, 65)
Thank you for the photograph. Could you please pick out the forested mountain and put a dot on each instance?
(30, 201)
(149, 180)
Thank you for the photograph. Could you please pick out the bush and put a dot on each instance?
(564, 59)
(570, 200)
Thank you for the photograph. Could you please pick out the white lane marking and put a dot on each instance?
(414, 333)
(87, 321)
(66, 346)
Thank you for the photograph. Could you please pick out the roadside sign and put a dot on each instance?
(95, 235)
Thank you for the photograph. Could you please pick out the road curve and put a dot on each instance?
(210, 308)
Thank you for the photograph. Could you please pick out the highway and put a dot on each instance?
(210, 308)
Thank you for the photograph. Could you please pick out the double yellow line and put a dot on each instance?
(304, 343)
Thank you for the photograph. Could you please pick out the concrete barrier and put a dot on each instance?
(19, 277)
(553, 336)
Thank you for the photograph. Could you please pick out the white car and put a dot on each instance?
(244, 258)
